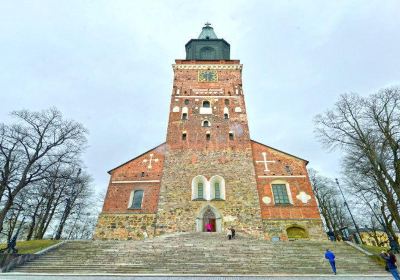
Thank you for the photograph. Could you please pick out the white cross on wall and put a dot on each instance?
(265, 161)
(150, 161)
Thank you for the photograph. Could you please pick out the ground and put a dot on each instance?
(32, 246)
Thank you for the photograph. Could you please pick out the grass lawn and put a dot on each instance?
(376, 251)
(33, 246)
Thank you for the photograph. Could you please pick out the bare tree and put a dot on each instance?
(367, 129)
(32, 146)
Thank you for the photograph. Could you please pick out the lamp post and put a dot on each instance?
(351, 215)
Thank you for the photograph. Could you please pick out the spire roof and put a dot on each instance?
(207, 32)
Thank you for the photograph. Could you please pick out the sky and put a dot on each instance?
(107, 64)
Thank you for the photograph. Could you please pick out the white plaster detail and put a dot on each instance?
(204, 110)
(208, 66)
(178, 91)
(303, 197)
(238, 109)
(176, 99)
(265, 161)
(196, 99)
(216, 99)
(267, 200)
(150, 160)
(215, 108)
(229, 218)
(196, 107)
(237, 91)
(175, 109)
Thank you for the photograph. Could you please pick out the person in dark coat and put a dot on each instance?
(233, 232)
(330, 256)
(391, 260)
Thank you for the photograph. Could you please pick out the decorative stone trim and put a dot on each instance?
(282, 176)
(208, 66)
(130, 182)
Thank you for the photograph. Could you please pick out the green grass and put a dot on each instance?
(32, 246)
(376, 251)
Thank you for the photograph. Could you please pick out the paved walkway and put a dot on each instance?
(98, 277)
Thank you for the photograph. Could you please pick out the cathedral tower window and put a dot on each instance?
(208, 136)
(184, 136)
(226, 113)
(226, 101)
(206, 104)
(186, 101)
(206, 123)
(184, 116)
(199, 188)
(185, 113)
(136, 199)
(231, 136)
(217, 185)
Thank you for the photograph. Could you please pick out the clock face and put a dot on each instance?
(208, 76)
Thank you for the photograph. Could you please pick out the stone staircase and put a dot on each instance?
(200, 253)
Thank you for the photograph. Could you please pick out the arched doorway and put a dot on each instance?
(209, 214)
(209, 223)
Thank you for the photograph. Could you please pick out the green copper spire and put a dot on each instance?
(207, 32)
(207, 46)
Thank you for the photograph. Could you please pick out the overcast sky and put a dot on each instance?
(107, 64)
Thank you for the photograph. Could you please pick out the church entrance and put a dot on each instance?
(209, 221)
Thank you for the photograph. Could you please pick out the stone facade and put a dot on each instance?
(208, 149)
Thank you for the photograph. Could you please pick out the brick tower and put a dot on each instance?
(209, 173)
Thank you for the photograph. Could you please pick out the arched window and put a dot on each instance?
(206, 123)
(226, 113)
(296, 232)
(207, 53)
(208, 136)
(281, 192)
(185, 113)
(206, 104)
(136, 199)
(199, 188)
(217, 185)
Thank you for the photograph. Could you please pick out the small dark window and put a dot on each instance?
(208, 136)
(206, 104)
(137, 200)
(183, 136)
(206, 123)
(200, 192)
(184, 116)
(288, 169)
(142, 174)
(226, 116)
(226, 101)
(230, 136)
(186, 101)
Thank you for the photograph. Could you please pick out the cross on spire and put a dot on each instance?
(150, 160)
(207, 24)
(265, 161)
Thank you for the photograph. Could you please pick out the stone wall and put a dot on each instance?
(124, 226)
(178, 212)
(277, 228)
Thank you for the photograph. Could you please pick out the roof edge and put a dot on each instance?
(306, 161)
(109, 172)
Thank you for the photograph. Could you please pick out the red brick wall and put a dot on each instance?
(297, 179)
(121, 185)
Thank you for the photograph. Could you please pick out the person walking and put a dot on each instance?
(233, 233)
(391, 260)
(330, 256)
(229, 233)
(209, 227)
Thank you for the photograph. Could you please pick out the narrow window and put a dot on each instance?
(280, 194)
(226, 116)
(200, 190)
(186, 101)
(184, 116)
(208, 136)
(230, 135)
(142, 174)
(217, 191)
(183, 136)
(206, 104)
(206, 123)
(226, 101)
(288, 169)
(137, 200)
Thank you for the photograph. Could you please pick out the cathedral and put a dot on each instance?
(209, 171)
